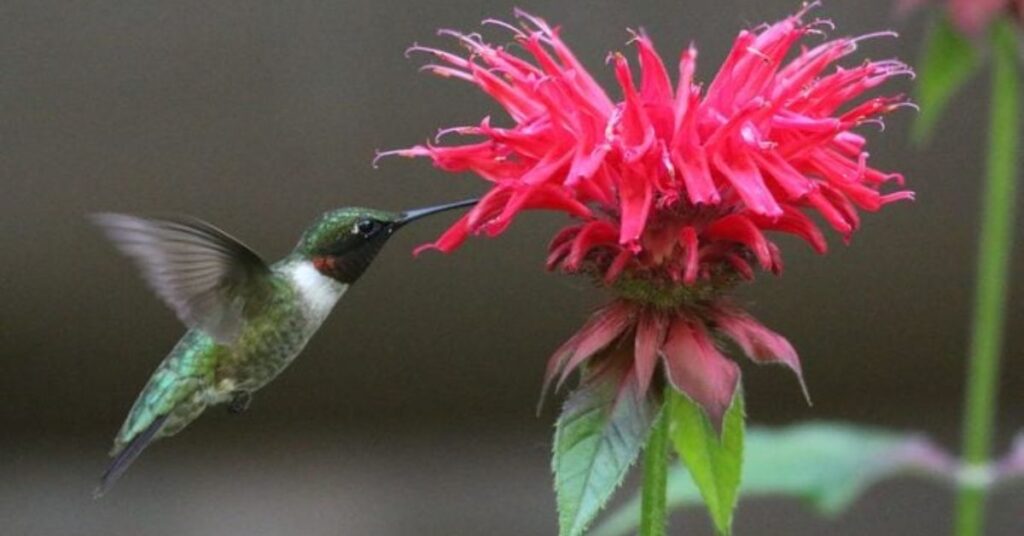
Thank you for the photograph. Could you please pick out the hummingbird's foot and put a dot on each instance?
(240, 401)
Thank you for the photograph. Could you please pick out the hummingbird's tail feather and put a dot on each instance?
(127, 455)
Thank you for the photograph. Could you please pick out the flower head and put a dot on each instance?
(672, 186)
(972, 16)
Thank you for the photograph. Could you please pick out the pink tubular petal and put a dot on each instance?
(636, 194)
(650, 334)
(518, 104)
(446, 72)
(552, 163)
(489, 206)
(776, 253)
(842, 204)
(663, 176)
(833, 216)
(636, 133)
(477, 157)
(759, 343)
(588, 154)
(686, 150)
(850, 143)
(560, 246)
(697, 369)
(739, 228)
(795, 78)
(787, 119)
(685, 103)
(593, 234)
(741, 266)
(450, 240)
(556, 255)
(582, 77)
(862, 196)
(514, 200)
(411, 152)
(794, 222)
(691, 252)
(617, 266)
(531, 144)
(898, 196)
(659, 244)
(791, 181)
(692, 162)
(690, 158)
(757, 69)
(564, 236)
(655, 87)
(722, 89)
(557, 198)
(746, 179)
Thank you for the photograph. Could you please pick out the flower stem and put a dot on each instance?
(653, 514)
(996, 242)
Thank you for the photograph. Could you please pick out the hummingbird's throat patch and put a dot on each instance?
(348, 264)
(329, 266)
(342, 268)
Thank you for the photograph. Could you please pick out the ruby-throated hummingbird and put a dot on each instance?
(247, 319)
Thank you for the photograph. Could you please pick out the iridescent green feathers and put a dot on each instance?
(333, 230)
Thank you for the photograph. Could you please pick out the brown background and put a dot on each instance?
(412, 411)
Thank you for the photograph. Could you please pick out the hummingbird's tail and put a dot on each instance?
(127, 455)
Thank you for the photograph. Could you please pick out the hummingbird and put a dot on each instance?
(247, 320)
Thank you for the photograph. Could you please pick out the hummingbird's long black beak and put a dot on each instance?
(415, 214)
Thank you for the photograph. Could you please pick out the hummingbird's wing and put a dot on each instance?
(201, 272)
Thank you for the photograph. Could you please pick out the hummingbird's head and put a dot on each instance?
(342, 243)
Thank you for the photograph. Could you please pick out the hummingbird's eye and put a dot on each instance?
(367, 227)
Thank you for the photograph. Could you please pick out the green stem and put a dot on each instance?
(996, 240)
(653, 514)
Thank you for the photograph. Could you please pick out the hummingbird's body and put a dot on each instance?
(248, 320)
(199, 372)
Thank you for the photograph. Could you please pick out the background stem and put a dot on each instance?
(995, 247)
(653, 515)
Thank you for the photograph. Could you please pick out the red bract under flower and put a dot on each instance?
(674, 185)
(681, 341)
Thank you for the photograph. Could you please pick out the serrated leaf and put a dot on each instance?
(948, 61)
(599, 434)
(714, 460)
(827, 464)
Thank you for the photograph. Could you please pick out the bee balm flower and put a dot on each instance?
(673, 186)
(972, 16)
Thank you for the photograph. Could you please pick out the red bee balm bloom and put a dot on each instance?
(972, 16)
(672, 189)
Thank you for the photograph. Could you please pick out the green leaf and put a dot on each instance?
(714, 461)
(949, 61)
(599, 434)
(828, 464)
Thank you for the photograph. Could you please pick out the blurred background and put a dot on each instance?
(412, 411)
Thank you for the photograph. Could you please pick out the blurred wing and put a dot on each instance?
(201, 272)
